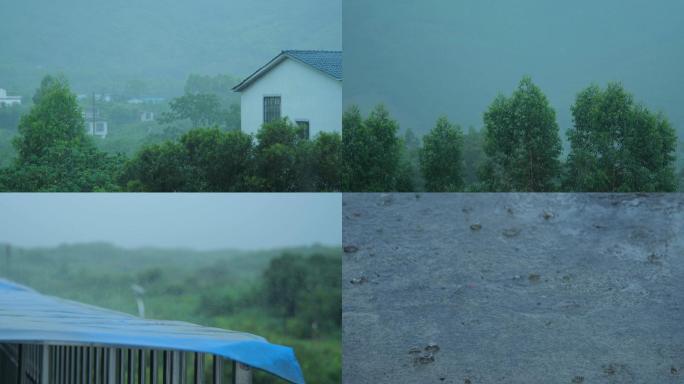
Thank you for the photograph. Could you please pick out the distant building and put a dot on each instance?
(95, 125)
(147, 116)
(103, 97)
(305, 86)
(107, 98)
(146, 100)
(9, 100)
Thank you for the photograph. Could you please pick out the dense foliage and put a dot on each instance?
(291, 297)
(521, 142)
(202, 110)
(618, 145)
(53, 152)
(441, 158)
(372, 152)
(615, 145)
(211, 159)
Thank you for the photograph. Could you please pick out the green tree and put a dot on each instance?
(219, 85)
(53, 151)
(160, 168)
(521, 142)
(204, 159)
(325, 161)
(283, 280)
(224, 160)
(203, 110)
(371, 151)
(441, 158)
(618, 145)
(306, 290)
(283, 158)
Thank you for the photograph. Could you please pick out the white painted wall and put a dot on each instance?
(8, 100)
(305, 93)
(97, 128)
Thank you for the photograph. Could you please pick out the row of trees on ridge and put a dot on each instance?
(615, 145)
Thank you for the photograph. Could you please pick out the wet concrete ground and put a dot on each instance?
(513, 288)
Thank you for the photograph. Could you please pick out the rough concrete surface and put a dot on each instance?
(513, 288)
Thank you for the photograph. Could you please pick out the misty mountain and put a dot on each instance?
(438, 57)
(104, 45)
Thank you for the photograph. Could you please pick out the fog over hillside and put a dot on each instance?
(195, 221)
(438, 57)
(102, 46)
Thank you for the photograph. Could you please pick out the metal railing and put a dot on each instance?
(29, 363)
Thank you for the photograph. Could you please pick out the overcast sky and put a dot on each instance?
(429, 58)
(198, 221)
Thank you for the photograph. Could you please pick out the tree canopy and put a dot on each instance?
(521, 142)
(617, 145)
(53, 151)
(215, 160)
(441, 158)
(371, 152)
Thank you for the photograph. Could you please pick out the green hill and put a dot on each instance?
(153, 45)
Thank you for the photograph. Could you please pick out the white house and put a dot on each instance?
(147, 116)
(8, 100)
(304, 86)
(95, 125)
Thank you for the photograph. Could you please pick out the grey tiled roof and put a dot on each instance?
(327, 62)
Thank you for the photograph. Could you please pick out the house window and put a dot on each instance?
(271, 108)
(303, 128)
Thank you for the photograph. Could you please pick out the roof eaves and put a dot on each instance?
(259, 72)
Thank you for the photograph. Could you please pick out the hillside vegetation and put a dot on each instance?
(290, 296)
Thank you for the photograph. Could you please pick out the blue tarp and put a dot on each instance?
(30, 317)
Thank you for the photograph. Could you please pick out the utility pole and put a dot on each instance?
(92, 115)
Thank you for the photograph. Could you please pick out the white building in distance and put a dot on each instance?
(147, 116)
(304, 86)
(8, 100)
(94, 124)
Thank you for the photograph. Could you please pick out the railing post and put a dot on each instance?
(175, 367)
(153, 366)
(183, 367)
(242, 374)
(199, 368)
(218, 369)
(111, 366)
(78, 356)
(98, 365)
(141, 366)
(88, 361)
(45, 364)
(20, 364)
(72, 364)
(62, 365)
(167, 367)
(131, 366)
(120, 366)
